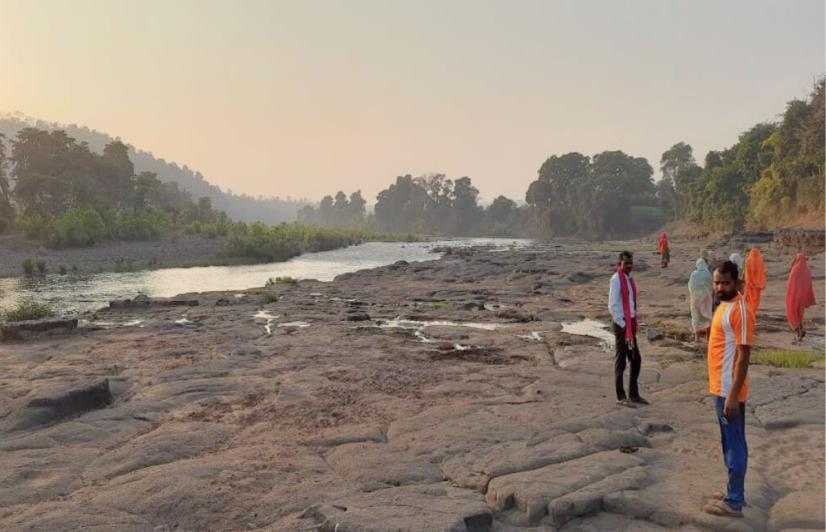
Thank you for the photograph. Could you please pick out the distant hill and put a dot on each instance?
(271, 210)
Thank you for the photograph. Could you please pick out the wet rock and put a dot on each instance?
(179, 303)
(398, 265)
(20, 330)
(137, 303)
(652, 333)
(59, 404)
(650, 427)
(512, 314)
(223, 303)
(472, 305)
(356, 316)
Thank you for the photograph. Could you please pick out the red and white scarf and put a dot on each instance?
(631, 324)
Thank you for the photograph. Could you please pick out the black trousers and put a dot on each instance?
(633, 355)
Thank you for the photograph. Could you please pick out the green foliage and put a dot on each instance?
(139, 225)
(579, 195)
(284, 241)
(774, 174)
(62, 270)
(28, 310)
(785, 359)
(281, 280)
(78, 227)
(28, 266)
(35, 226)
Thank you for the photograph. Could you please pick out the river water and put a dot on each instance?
(78, 293)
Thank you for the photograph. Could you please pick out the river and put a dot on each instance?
(72, 293)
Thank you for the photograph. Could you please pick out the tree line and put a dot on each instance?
(242, 207)
(57, 189)
(773, 174)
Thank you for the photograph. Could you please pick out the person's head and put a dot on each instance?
(626, 262)
(725, 280)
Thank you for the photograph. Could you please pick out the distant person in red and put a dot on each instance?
(665, 252)
(799, 294)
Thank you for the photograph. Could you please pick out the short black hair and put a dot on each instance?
(730, 268)
(625, 255)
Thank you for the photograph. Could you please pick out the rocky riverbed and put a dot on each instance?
(442, 395)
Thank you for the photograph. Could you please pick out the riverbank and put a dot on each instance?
(113, 255)
(440, 395)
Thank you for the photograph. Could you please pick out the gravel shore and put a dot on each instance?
(108, 256)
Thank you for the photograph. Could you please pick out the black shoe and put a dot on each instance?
(639, 400)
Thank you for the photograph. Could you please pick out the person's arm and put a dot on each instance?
(615, 302)
(741, 370)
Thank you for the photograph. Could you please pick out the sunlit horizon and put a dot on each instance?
(305, 99)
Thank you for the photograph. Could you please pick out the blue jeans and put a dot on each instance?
(735, 453)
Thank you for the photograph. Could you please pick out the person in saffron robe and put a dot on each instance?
(755, 278)
(700, 291)
(799, 294)
(665, 252)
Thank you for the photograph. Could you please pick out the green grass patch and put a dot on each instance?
(28, 310)
(281, 280)
(786, 359)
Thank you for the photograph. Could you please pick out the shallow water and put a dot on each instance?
(79, 293)
(592, 328)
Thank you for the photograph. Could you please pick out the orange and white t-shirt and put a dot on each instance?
(731, 327)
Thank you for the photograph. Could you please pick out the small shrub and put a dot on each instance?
(61, 270)
(28, 266)
(78, 228)
(41, 265)
(785, 359)
(28, 310)
(281, 280)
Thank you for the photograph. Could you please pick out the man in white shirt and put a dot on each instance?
(622, 303)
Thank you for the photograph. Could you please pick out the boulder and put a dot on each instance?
(61, 403)
(18, 330)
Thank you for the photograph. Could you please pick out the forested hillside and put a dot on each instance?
(237, 206)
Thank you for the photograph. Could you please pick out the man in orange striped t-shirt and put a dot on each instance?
(729, 348)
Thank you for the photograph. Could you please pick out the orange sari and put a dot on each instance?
(754, 278)
(799, 292)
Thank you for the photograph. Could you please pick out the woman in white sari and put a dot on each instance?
(700, 292)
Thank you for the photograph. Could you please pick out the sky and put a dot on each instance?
(303, 98)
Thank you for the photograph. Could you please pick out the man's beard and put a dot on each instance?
(728, 296)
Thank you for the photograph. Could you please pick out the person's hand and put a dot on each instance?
(630, 344)
(731, 408)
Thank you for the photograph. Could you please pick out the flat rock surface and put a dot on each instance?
(454, 402)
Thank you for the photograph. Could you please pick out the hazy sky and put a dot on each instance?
(306, 97)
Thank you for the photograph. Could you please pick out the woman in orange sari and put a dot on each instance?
(665, 253)
(755, 278)
(799, 294)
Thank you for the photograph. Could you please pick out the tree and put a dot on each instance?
(356, 208)
(147, 189)
(6, 208)
(116, 173)
(678, 166)
(465, 207)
